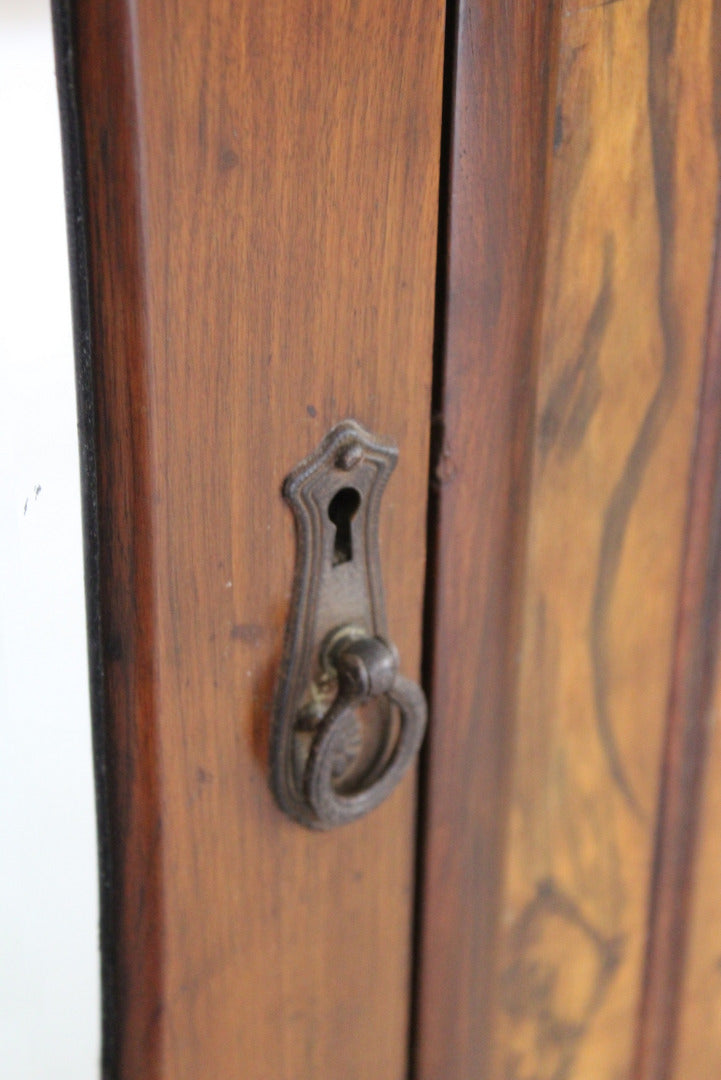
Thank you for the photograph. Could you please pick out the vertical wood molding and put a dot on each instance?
(503, 97)
(78, 243)
(688, 722)
(680, 1018)
(105, 220)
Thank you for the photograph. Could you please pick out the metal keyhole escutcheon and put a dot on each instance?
(346, 724)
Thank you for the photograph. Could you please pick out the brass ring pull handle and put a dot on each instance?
(366, 668)
(346, 725)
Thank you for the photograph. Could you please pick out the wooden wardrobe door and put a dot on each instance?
(254, 193)
(253, 204)
(577, 580)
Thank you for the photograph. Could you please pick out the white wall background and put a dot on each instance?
(49, 964)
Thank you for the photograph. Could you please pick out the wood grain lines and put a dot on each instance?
(662, 114)
(542, 993)
(262, 186)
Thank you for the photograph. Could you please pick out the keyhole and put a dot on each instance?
(341, 511)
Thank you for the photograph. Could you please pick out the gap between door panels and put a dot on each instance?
(434, 461)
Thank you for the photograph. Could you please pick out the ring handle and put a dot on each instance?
(367, 668)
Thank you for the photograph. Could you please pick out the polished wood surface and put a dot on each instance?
(262, 186)
(561, 793)
(500, 116)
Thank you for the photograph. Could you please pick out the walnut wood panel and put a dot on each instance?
(504, 74)
(628, 270)
(261, 189)
(547, 810)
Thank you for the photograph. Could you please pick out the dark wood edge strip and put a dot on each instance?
(76, 222)
(97, 94)
(687, 721)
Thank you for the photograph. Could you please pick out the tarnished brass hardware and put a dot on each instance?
(346, 725)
